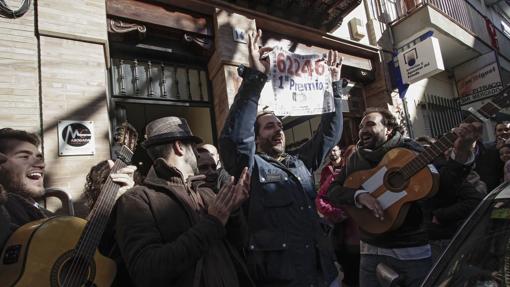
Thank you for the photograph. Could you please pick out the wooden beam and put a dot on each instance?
(291, 29)
(159, 15)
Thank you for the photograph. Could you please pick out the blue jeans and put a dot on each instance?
(412, 271)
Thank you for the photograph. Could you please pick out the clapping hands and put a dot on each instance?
(230, 197)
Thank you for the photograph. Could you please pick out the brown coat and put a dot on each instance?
(167, 240)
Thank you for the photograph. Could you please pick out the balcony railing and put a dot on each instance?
(464, 14)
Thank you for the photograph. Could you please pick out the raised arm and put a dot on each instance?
(328, 134)
(237, 139)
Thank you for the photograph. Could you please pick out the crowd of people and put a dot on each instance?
(249, 213)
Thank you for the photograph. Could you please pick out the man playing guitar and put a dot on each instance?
(404, 248)
(22, 171)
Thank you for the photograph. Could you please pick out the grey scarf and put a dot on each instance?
(367, 158)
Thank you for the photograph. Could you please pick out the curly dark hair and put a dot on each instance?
(388, 119)
(96, 177)
(8, 134)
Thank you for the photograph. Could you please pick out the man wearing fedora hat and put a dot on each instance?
(172, 232)
(287, 244)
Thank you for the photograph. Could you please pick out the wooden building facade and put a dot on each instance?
(130, 60)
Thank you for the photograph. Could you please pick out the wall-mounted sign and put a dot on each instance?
(240, 35)
(300, 85)
(76, 138)
(421, 61)
(481, 84)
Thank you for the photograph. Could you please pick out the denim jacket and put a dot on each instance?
(287, 243)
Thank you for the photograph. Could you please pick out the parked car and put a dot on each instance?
(479, 253)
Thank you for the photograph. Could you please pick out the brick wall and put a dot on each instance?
(73, 87)
(76, 19)
(72, 84)
(19, 83)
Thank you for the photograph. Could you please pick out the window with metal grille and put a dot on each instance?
(440, 114)
(158, 80)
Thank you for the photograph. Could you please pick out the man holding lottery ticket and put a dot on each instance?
(287, 244)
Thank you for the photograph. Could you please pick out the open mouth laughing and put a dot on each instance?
(35, 175)
(365, 138)
(277, 139)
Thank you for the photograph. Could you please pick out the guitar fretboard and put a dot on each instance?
(98, 217)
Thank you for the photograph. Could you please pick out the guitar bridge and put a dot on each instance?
(11, 254)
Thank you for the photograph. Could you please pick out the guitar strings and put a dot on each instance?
(105, 198)
(77, 266)
(91, 234)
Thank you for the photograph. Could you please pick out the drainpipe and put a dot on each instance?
(407, 119)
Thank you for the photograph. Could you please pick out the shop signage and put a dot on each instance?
(483, 83)
(421, 61)
(300, 84)
(76, 138)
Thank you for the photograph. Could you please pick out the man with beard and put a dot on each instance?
(213, 151)
(487, 162)
(22, 174)
(287, 245)
(170, 231)
(502, 133)
(209, 165)
(345, 235)
(334, 166)
(405, 249)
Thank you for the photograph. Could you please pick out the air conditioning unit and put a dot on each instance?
(356, 29)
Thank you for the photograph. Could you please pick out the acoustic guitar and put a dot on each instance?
(62, 250)
(403, 176)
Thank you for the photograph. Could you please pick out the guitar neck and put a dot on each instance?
(428, 155)
(489, 110)
(100, 214)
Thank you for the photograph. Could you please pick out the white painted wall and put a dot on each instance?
(343, 31)
(439, 85)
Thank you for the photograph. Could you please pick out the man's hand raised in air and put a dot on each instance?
(259, 60)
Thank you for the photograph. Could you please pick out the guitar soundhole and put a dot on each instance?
(72, 271)
(395, 181)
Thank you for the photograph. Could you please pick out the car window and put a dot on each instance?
(480, 253)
